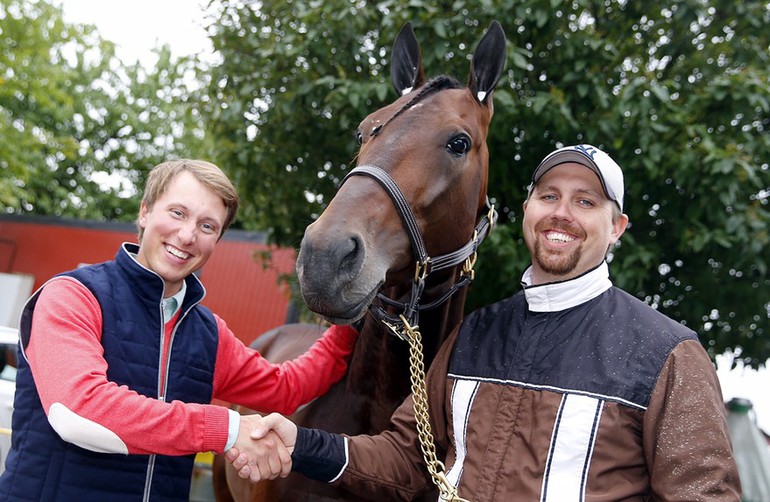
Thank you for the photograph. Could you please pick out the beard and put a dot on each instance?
(554, 263)
(557, 264)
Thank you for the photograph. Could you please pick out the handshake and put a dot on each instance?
(263, 448)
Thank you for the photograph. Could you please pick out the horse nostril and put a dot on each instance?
(352, 254)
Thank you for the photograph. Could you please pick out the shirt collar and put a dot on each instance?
(556, 296)
(179, 297)
(172, 304)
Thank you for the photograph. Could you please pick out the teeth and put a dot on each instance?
(177, 253)
(558, 237)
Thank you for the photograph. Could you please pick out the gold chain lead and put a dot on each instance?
(435, 467)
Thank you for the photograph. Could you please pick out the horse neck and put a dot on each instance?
(380, 362)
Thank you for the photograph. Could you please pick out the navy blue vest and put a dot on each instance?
(43, 467)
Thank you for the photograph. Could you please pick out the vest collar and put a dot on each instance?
(556, 296)
(149, 282)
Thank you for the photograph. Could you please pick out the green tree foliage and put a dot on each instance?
(78, 128)
(678, 94)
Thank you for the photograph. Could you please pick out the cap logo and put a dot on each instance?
(589, 151)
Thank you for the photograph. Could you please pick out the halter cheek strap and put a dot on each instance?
(424, 264)
(402, 207)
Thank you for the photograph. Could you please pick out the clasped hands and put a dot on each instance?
(263, 448)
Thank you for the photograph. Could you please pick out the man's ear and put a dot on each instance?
(619, 227)
(143, 210)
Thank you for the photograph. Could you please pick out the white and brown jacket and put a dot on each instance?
(570, 391)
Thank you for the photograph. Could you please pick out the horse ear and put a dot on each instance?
(488, 62)
(406, 71)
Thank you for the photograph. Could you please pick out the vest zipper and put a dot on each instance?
(148, 479)
(162, 390)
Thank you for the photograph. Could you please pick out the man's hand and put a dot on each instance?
(278, 424)
(261, 458)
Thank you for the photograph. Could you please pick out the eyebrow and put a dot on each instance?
(180, 205)
(588, 192)
(591, 191)
(579, 190)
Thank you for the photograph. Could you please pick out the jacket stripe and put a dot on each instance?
(551, 388)
(572, 445)
(463, 393)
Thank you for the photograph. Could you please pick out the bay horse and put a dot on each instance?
(398, 239)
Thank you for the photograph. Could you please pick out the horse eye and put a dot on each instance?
(359, 137)
(459, 144)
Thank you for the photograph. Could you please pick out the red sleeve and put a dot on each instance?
(67, 362)
(244, 377)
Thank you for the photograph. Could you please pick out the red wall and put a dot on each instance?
(239, 290)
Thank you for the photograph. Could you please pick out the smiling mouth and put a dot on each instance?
(558, 237)
(176, 252)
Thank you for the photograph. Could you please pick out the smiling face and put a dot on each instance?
(180, 230)
(569, 223)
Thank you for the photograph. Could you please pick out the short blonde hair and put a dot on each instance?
(208, 174)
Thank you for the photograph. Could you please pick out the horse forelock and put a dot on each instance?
(431, 87)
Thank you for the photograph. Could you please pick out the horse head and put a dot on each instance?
(418, 190)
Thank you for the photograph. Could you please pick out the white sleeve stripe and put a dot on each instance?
(347, 460)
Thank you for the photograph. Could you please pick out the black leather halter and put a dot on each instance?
(424, 264)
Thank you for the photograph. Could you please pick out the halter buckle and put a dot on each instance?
(421, 270)
(470, 262)
(397, 331)
(492, 217)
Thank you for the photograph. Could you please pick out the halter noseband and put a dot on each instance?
(424, 264)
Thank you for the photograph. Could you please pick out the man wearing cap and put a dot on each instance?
(569, 390)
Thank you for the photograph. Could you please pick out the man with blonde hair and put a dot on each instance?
(120, 361)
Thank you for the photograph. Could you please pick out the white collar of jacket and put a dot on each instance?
(556, 296)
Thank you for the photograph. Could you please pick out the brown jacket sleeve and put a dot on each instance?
(685, 434)
(390, 466)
